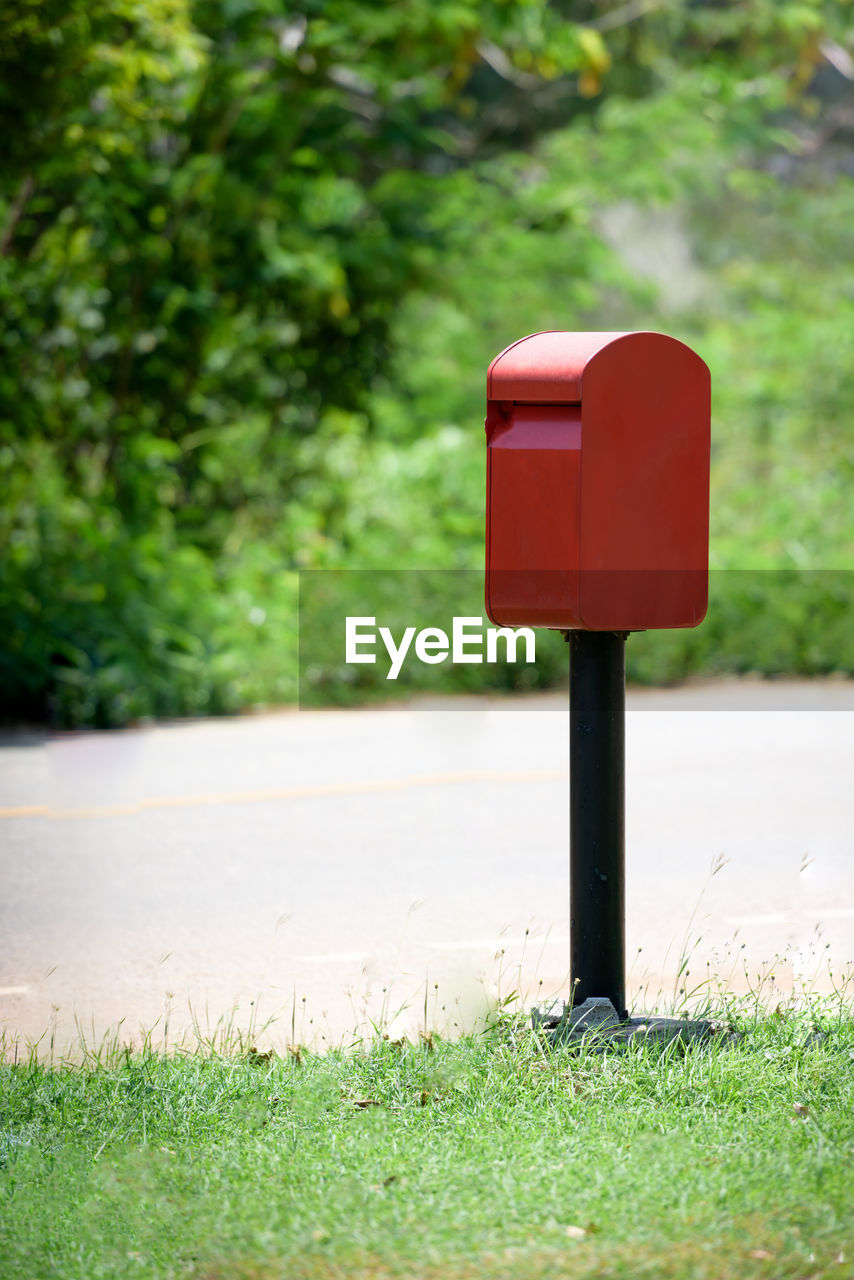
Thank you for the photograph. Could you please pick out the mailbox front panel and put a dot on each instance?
(533, 501)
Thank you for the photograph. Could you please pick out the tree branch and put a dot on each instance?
(25, 190)
(625, 14)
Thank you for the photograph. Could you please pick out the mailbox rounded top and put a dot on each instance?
(548, 368)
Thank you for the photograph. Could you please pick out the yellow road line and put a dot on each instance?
(208, 799)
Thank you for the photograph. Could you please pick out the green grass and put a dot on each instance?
(489, 1157)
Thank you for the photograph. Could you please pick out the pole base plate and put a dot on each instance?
(597, 1025)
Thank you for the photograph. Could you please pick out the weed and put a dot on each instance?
(471, 1158)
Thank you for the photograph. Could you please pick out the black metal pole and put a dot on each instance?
(597, 771)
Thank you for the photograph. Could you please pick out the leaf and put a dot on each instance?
(258, 1059)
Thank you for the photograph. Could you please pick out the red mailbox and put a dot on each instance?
(597, 510)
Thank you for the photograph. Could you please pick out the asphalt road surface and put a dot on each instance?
(331, 870)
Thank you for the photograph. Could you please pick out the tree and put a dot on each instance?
(211, 213)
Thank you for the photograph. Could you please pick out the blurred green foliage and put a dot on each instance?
(254, 261)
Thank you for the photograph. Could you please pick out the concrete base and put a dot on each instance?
(597, 1024)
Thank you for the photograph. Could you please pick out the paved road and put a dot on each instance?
(336, 866)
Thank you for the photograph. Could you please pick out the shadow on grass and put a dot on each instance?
(754, 1247)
